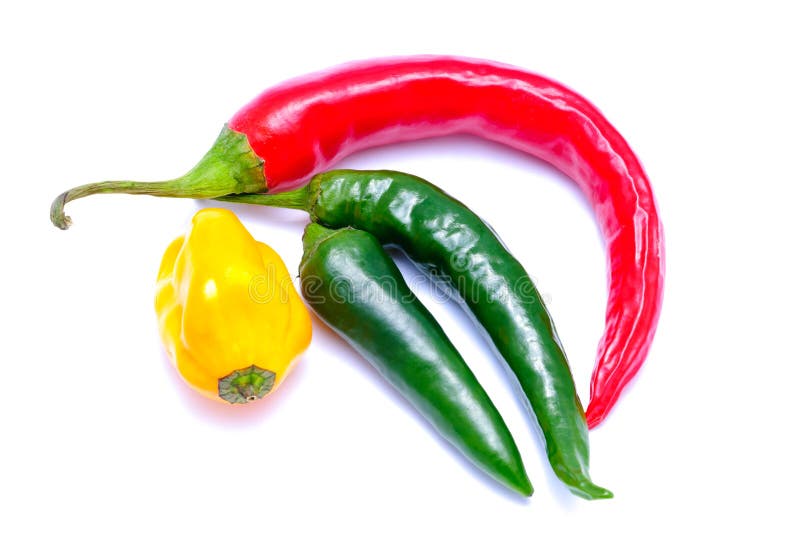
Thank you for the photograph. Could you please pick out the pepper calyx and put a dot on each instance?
(246, 385)
(230, 167)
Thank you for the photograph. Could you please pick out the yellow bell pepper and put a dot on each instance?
(228, 313)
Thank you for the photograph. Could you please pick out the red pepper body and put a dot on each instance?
(304, 126)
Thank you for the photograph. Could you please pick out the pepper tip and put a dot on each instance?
(590, 491)
(527, 491)
(594, 415)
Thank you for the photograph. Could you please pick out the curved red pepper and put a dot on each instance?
(305, 125)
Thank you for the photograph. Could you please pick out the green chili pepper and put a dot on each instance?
(452, 244)
(354, 287)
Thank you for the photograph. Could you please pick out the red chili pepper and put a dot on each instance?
(304, 126)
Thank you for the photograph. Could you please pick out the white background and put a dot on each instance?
(104, 447)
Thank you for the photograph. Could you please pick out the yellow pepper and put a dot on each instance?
(228, 313)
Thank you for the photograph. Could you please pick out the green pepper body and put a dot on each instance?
(452, 244)
(354, 287)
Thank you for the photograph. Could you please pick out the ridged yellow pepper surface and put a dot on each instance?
(229, 316)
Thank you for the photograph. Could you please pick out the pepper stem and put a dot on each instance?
(296, 199)
(230, 166)
(313, 235)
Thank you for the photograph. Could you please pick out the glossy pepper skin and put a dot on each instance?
(452, 244)
(357, 290)
(230, 318)
(305, 125)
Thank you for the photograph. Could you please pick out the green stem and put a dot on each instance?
(313, 235)
(229, 167)
(295, 199)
